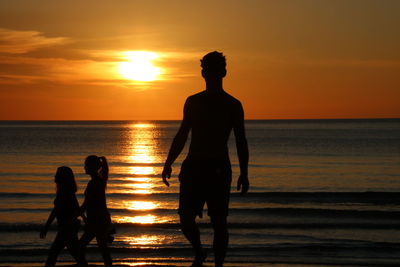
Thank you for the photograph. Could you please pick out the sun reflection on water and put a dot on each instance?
(142, 219)
(141, 170)
(142, 149)
(138, 191)
(141, 153)
(142, 125)
(138, 179)
(139, 205)
(140, 186)
(142, 240)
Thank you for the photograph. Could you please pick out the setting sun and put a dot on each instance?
(139, 66)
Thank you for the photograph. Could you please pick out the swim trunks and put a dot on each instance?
(204, 181)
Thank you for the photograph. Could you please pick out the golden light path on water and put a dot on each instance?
(142, 151)
(140, 205)
(141, 154)
(142, 240)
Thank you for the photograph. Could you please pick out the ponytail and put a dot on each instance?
(99, 165)
(104, 169)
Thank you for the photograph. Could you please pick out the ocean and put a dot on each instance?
(322, 193)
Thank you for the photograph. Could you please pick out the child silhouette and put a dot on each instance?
(66, 210)
(98, 222)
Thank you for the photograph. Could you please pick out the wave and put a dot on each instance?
(28, 227)
(267, 212)
(51, 174)
(278, 246)
(381, 198)
(378, 254)
(293, 212)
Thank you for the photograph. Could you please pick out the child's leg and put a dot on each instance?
(74, 248)
(83, 242)
(55, 249)
(102, 244)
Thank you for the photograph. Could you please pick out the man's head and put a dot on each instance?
(213, 66)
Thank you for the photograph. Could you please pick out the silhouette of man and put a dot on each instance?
(206, 174)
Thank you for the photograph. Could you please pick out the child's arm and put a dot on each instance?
(82, 210)
(51, 218)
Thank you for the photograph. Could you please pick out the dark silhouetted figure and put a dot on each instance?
(205, 175)
(66, 210)
(98, 221)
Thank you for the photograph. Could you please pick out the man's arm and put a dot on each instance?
(242, 150)
(177, 144)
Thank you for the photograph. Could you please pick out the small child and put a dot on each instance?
(66, 210)
(98, 221)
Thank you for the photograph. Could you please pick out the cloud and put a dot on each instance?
(20, 42)
(29, 57)
(297, 58)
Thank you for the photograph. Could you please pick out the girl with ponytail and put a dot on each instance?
(98, 219)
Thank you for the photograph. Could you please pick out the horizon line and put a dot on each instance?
(286, 119)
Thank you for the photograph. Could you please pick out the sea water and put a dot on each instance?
(321, 191)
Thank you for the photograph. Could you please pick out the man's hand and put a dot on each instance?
(84, 218)
(43, 233)
(243, 183)
(166, 174)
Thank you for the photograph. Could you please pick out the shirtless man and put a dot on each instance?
(206, 174)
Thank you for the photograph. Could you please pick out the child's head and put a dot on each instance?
(92, 164)
(65, 180)
(95, 165)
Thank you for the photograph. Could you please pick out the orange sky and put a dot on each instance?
(59, 60)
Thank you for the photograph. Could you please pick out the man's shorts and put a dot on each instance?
(204, 182)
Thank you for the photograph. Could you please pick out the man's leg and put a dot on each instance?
(192, 234)
(221, 238)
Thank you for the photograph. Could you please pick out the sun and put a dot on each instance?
(139, 66)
